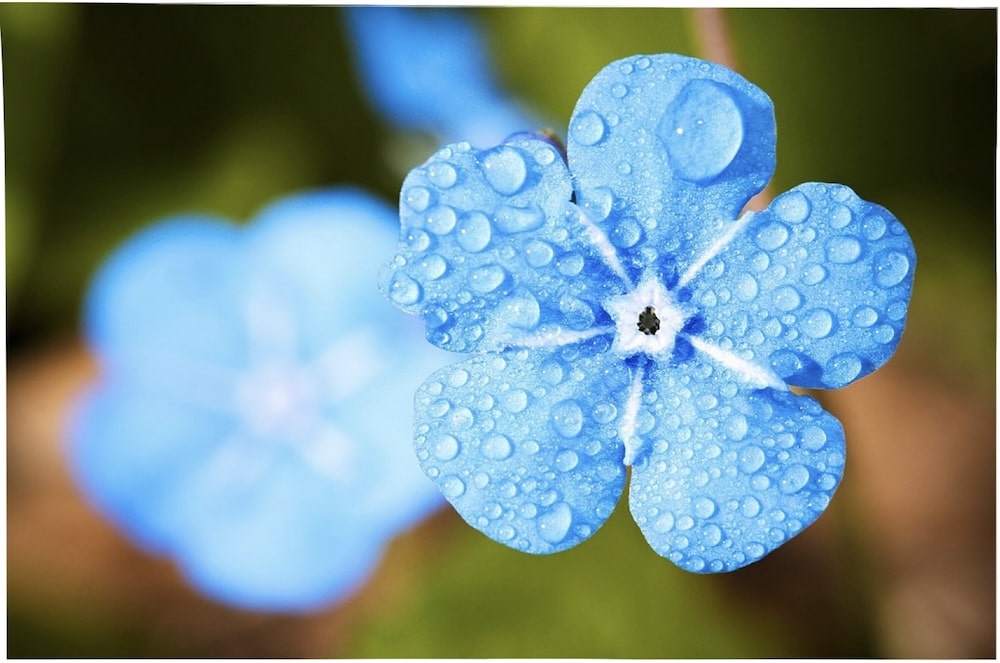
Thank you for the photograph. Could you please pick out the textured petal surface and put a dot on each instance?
(665, 151)
(728, 473)
(429, 70)
(492, 253)
(816, 287)
(524, 443)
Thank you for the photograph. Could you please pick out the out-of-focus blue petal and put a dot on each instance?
(492, 253)
(291, 542)
(170, 291)
(524, 443)
(729, 473)
(428, 70)
(665, 151)
(242, 427)
(816, 287)
(130, 450)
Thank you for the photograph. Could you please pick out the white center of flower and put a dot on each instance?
(647, 319)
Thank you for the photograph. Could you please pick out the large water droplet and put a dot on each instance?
(537, 253)
(521, 311)
(813, 274)
(737, 427)
(474, 232)
(818, 323)
(786, 298)
(843, 249)
(794, 479)
(703, 507)
(496, 447)
(554, 525)
(746, 287)
(441, 220)
(505, 170)
(619, 91)
(874, 227)
(813, 437)
(445, 447)
(626, 233)
(509, 219)
(865, 316)
(792, 207)
(664, 523)
(711, 535)
(772, 236)
(749, 506)
(891, 267)
(432, 267)
(452, 486)
(702, 130)
(842, 369)
(840, 217)
(417, 198)
(487, 278)
(751, 459)
(567, 418)
(515, 400)
(404, 291)
(442, 175)
(587, 128)
(566, 460)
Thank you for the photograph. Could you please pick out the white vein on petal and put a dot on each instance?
(604, 247)
(747, 370)
(630, 417)
(559, 338)
(717, 247)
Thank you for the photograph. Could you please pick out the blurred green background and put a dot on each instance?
(118, 115)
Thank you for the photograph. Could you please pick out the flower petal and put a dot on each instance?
(429, 71)
(173, 291)
(731, 472)
(524, 443)
(665, 151)
(816, 287)
(492, 254)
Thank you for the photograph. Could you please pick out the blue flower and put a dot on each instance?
(249, 418)
(623, 313)
(428, 70)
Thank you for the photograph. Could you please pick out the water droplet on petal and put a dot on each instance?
(884, 334)
(702, 130)
(404, 291)
(587, 128)
(813, 437)
(891, 267)
(509, 219)
(417, 198)
(567, 418)
(487, 278)
(818, 323)
(619, 91)
(496, 447)
(842, 369)
(452, 486)
(474, 232)
(746, 287)
(792, 207)
(751, 459)
(749, 506)
(605, 412)
(840, 217)
(794, 479)
(566, 460)
(813, 274)
(432, 267)
(711, 535)
(554, 525)
(445, 447)
(505, 170)
(442, 175)
(505, 533)
(737, 427)
(515, 400)
(772, 236)
(664, 523)
(537, 253)
(865, 316)
(441, 220)
(786, 298)
(874, 227)
(843, 249)
(703, 507)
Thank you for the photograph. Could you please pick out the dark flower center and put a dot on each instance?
(648, 323)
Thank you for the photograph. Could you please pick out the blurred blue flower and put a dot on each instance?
(645, 324)
(428, 70)
(248, 418)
